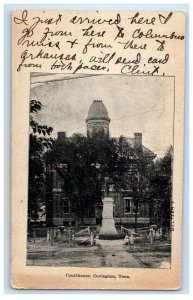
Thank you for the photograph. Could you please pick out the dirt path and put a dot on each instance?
(107, 254)
(114, 254)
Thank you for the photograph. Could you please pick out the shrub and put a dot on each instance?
(116, 236)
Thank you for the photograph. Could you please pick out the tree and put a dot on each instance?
(161, 189)
(141, 170)
(84, 162)
(39, 142)
(123, 164)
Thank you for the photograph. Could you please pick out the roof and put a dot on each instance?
(146, 151)
(97, 110)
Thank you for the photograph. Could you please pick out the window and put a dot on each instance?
(127, 205)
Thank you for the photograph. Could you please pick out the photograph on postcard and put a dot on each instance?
(100, 171)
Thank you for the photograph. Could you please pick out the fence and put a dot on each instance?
(57, 234)
(88, 234)
(150, 234)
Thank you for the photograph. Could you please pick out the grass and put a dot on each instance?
(152, 256)
(112, 253)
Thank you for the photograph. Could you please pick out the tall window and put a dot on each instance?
(127, 205)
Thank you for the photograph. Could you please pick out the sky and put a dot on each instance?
(134, 104)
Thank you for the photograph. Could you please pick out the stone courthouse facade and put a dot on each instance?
(124, 208)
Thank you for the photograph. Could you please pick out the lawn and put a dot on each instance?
(106, 254)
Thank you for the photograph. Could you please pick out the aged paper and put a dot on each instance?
(97, 149)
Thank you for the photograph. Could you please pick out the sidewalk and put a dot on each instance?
(115, 254)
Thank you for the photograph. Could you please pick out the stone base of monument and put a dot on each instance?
(108, 222)
(108, 227)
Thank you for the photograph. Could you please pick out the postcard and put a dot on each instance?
(97, 149)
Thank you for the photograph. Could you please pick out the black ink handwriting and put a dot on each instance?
(72, 43)
(164, 20)
(91, 44)
(26, 55)
(99, 21)
(23, 18)
(61, 65)
(149, 34)
(136, 20)
(120, 33)
(105, 59)
(126, 61)
(161, 46)
(81, 66)
(163, 61)
(90, 32)
(132, 45)
(135, 70)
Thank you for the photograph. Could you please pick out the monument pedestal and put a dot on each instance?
(108, 222)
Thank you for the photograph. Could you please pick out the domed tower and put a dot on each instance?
(98, 119)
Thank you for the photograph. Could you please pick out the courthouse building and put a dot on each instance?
(59, 207)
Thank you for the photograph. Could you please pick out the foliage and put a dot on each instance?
(140, 183)
(38, 143)
(161, 189)
(84, 162)
(115, 236)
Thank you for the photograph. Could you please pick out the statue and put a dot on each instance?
(106, 187)
(108, 222)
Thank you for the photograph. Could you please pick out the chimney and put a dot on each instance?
(61, 136)
(137, 140)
